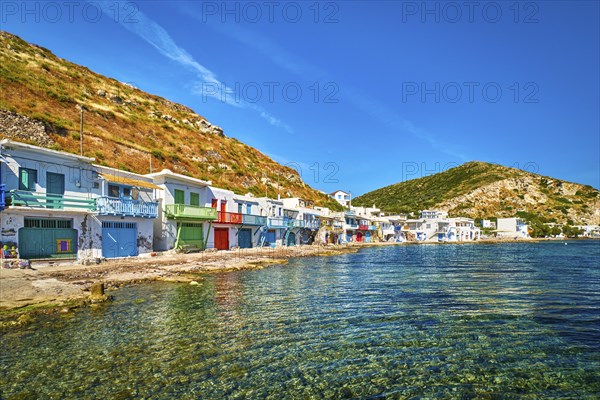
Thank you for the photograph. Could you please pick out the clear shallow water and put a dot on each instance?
(443, 321)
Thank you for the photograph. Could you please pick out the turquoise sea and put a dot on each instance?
(515, 320)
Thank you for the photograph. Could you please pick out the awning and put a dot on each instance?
(125, 180)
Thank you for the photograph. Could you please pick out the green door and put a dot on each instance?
(47, 238)
(55, 189)
(189, 235)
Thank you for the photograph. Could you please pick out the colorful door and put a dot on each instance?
(47, 238)
(359, 237)
(190, 235)
(222, 238)
(368, 237)
(271, 236)
(119, 239)
(291, 241)
(55, 188)
(245, 238)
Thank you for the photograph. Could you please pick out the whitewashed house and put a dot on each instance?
(254, 221)
(515, 228)
(276, 221)
(186, 215)
(344, 198)
(60, 205)
(303, 221)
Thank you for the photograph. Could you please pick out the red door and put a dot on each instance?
(359, 237)
(222, 238)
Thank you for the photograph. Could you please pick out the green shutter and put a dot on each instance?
(194, 199)
(27, 178)
(179, 196)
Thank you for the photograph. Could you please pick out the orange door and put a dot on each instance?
(222, 238)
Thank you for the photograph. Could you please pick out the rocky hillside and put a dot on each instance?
(484, 190)
(124, 127)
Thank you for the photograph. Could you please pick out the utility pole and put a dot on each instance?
(81, 129)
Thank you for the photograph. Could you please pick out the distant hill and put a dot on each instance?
(483, 190)
(127, 128)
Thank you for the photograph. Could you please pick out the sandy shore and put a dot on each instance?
(60, 285)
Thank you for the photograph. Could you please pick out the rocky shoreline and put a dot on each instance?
(61, 288)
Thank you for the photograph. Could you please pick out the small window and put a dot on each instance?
(126, 192)
(27, 179)
(135, 193)
(248, 208)
(113, 191)
(239, 208)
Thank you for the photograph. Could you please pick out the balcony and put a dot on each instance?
(249, 219)
(126, 207)
(352, 226)
(50, 201)
(179, 211)
(363, 227)
(224, 217)
(277, 222)
(372, 227)
(312, 224)
(295, 223)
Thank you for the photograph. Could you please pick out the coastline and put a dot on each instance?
(63, 287)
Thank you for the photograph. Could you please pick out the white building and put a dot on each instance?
(187, 216)
(254, 221)
(60, 205)
(512, 228)
(344, 198)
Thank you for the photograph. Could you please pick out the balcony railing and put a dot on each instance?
(50, 201)
(277, 222)
(126, 207)
(249, 219)
(372, 227)
(351, 226)
(178, 211)
(295, 223)
(224, 217)
(312, 224)
(363, 227)
(2, 201)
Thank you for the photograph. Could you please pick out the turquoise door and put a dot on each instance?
(55, 189)
(245, 238)
(47, 238)
(119, 239)
(291, 240)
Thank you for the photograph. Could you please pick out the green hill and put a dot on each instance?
(483, 190)
(127, 128)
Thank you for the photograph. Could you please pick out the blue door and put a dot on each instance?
(119, 239)
(245, 238)
(271, 236)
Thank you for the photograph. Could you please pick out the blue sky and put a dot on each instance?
(357, 95)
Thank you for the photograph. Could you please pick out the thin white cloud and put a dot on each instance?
(284, 59)
(159, 38)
